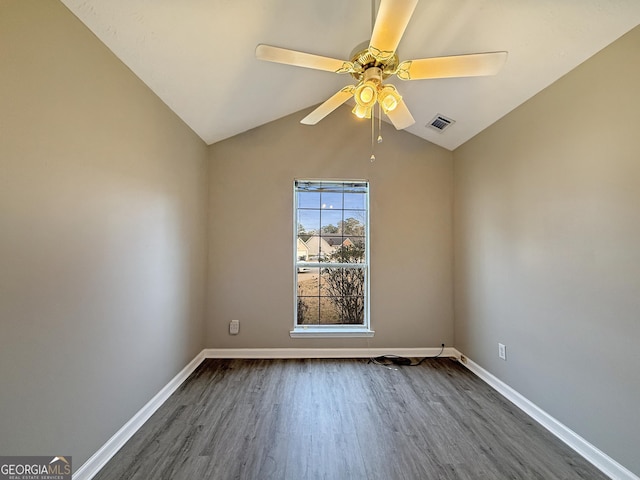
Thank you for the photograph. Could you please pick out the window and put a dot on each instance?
(331, 264)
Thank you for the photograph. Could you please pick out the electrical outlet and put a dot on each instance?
(502, 351)
(234, 327)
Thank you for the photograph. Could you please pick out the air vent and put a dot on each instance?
(440, 123)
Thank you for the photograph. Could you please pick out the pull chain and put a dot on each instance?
(373, 134)
(379, 123)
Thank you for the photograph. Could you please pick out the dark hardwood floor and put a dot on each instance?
(341, 419)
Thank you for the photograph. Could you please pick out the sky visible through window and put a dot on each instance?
(318, 209)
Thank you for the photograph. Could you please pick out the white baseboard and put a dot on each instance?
(598, 458)
(99, 459)
(325, 352)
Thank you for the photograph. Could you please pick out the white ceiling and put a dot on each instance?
(198, 55)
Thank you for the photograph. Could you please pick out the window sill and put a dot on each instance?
(330, 332)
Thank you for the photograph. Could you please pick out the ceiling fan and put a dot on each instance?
(371, 64)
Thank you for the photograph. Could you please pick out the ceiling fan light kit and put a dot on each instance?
(389, 98)
(372, 63)
(366, 92)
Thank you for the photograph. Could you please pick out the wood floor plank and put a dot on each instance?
(341, 419)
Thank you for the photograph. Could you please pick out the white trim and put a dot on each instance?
(93, 465)
(325, 352)
(99, 459)
(366, 265)
(592, 454)
(330, 332)
(597, 457)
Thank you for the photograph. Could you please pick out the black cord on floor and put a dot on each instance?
(403, 361)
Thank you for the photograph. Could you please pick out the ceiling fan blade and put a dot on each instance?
(472, 65)
(301, 59)
(329, 106)
(401, 116)
(391, 22)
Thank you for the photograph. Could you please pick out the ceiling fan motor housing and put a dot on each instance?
(363, 60)
(373, 74)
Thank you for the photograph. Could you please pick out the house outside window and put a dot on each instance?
(331, 264)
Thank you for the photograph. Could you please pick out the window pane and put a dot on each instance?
(313, 245)
(329, 312)
(308, 199)
(331, 200)
(308, 221)
(349, 252)
(308, 311)
(354, 222)
(335, 242)
(331, 221)
(353, 310)
(355, 251)
(308, 282)
(355, 201)
(302, 251)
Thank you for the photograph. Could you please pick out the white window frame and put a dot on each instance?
(331, 331)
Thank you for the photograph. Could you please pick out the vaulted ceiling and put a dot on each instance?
(198, 56)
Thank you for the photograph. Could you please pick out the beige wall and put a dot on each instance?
(103, 220)
(102, 247)
(251, 229)
(547, 249)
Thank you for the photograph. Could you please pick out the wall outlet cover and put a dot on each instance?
(502, 351)
(234, 327)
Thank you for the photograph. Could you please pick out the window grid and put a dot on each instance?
(331, 219)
